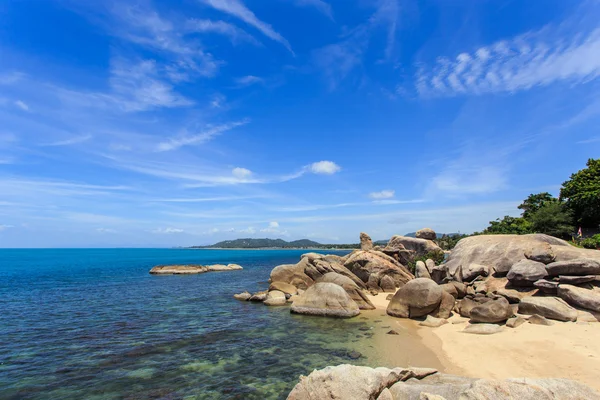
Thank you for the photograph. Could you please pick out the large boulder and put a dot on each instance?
(356, 293)
(549, 307)
(420, 247)
(292, 274)
(349, 382)
(417, 298)
(366, 243)
(275, 298)
(446, 306)
(426, 233)
(465, 305)
(526, 272)
(471, 271)
(286, 288)
(500, 252)
(325, 299)
(317, 268)
(371, 266)
(579, 266)
(496, 310)
(579, 297)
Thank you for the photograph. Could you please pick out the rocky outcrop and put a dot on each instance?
(501, 252)
(325, 299)
(292, 274)
(526, 272)
(355, 293)
(286, 288)
(493, 311)
(417, 298)
(191, 269)
(580, 297)
(275, 298)
(426, 233)
(366, 243)
(372, 266)
(345, 382)
(549, 307)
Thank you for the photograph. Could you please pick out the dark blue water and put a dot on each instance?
(94, 324)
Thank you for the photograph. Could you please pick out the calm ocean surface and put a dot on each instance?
(94, 324)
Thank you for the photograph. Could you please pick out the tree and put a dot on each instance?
(581, 194)
(536, 201)
(509, 225)
(552, 218)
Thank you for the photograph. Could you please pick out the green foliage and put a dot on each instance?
(534, 202)
(581, 194)
(591, 242)
(448, 242)
(436, 256)
(509, 225)
(554, 219)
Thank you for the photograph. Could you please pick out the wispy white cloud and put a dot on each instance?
(10, 78)
(237, 9)
(235, 34)
(531, 60)
(241, 173)
(202, 137)
(4, 227)
(250, 230)
(167, 231)
(69, 142)
(595, 139)
(324, 168)
(384, 194)
(322, 6)
(274, 228)
(249, 80)
(22, 105)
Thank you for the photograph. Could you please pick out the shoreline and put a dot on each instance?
(261, 248)
(563, 350)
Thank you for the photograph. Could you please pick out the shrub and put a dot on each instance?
(591, 242)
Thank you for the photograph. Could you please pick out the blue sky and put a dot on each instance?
(139, 123)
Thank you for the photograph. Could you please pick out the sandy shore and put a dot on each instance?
(563, 350)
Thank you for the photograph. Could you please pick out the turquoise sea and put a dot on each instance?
(94, 324)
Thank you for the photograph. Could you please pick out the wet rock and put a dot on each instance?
(526, 272)
(549, 307)
(496, 310)
(259, 296)
(244, 296)
(354, 355)
(325, 299)
(417, 298)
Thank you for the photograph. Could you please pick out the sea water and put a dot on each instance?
(94, 324)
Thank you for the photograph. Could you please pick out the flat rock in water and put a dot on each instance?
(244, 296)
(191, 269)
(259, 296)
(483, 329)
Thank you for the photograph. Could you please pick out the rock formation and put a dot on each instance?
(345, 382)
(325, 299)
(417, 298)
(191, 269)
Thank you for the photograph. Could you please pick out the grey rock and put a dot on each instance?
(426, 233)
(465, 305)
(471, 271)
(546, 286)
(355, 293)
(579, 297)
(496, 310)
(325, 299)
(483, 329)
(515, 296)
(372, 266)
(450, 289)
(539, 320)
(549, 307)
(515, 322)
(417, 298)
(392, 332)
(526, 272)
(419, 247)
(446, 306)
(576, 280)
(430, 264)
(439, 273)
(421, 270)
(433, 322)
(542, 253)
(579, 266)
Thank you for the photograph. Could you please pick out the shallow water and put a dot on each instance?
(94, 324)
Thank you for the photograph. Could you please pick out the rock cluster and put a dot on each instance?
(345, 382)
(191, 269)
(307, 285)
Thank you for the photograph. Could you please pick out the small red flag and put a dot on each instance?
(579, 233)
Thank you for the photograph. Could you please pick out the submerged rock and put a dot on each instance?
(325, 299)
(191, 269)
(244, 296)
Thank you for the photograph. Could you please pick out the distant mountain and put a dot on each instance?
(249, 243)
(439, 235)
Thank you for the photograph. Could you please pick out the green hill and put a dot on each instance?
(249, 243)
